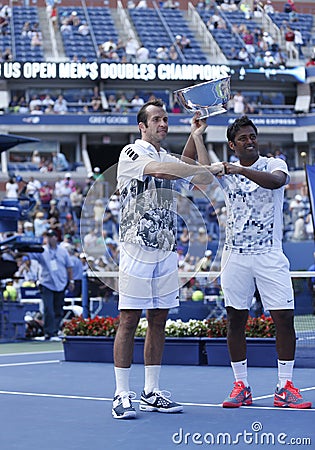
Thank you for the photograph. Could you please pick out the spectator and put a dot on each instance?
(299, 233)
(7, 55)
(131, 48)
(185, 42)
(204, 264)
(89, 241)
(37, 110)
(28, 229)
(243, 55)
(49, 109)
(109, 46)
(298, 42)
(178, 42)
(249, 40)
(54, 15)
(60, 163)
(122, 104)
(36, 158)
(280, 154)
(161, 53)
(268, 59)
(268, 7)
(36, 40)
(11, 188)
(202, 236)
(47, 101)
(69, 226)
(29, 270)
(239, 103)
(173, 55)
(268, 40)
(60, 106)
(98, 210)
(35, 101)
(136, 103)
(111, 101)
(55, 277)
(77, 271)
(76, 198)
(32, 189)
(41, 224)
(184, 239)
(23, 106)
(83, 29)
(296, 206)
(45, 194)
(142, 55)
(289, 43)
(53, 211)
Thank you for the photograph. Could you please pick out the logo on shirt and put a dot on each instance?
(131, 153)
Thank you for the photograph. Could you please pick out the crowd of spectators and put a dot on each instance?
(259, 46)
(59, 206)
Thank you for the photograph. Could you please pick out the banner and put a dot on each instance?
(310, 179)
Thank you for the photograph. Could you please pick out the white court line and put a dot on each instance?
(30, 363)
(31, 353)
(106, 399)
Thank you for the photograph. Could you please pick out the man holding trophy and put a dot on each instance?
(252, 255)
(148, 179)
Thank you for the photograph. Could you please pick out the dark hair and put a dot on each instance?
(142, 115)
(243, 121)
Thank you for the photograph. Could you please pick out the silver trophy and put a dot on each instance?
(210, 98)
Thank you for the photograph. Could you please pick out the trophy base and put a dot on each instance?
(211, 111)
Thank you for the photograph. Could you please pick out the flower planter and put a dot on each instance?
(177, 351)
(261, 352)
(185, 351)
(88, 348)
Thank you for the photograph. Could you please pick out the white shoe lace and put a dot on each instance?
(164, 394)
(126, 398)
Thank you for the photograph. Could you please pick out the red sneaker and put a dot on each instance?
(240, 395)
(290, 397)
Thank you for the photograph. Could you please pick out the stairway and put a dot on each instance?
(52, 41)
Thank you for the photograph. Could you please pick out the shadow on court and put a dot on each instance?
(49, 404)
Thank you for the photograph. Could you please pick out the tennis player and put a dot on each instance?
(254, 190)
(148, 179)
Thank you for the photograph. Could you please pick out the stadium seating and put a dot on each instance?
(157, 30)
(302, 22)
(74, 43)
(22, 48)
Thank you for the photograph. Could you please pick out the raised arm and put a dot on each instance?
(195, 147)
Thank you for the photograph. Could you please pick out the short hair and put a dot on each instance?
(239, 123)
(142, 115)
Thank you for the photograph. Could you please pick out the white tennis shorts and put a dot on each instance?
(268, 271)
(148, 278)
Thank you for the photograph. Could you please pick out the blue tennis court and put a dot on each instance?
(48, 404)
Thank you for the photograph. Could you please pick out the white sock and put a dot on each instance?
(122, 379)
(151, 378)
(285, 372)
(240, 371)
